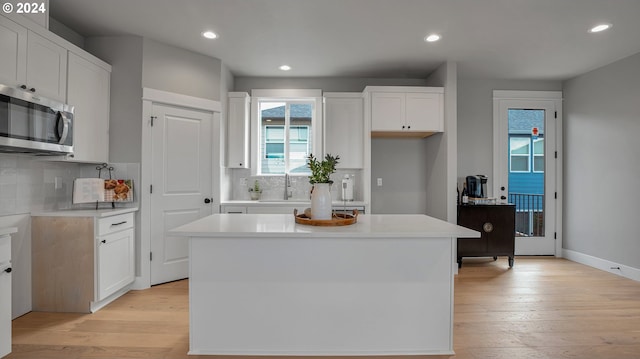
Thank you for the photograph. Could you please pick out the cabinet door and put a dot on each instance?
(424, 112)
(502, 236)
(88, 92)
(387, 111)
(5, 310)
(13, 57)
(238, 145)
(473, 218)
(344, 129)
(46, 67)
(115, 262)
(5, 295)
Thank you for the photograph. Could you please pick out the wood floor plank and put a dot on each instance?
(541, 308)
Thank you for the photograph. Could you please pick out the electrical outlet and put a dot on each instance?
(57, 182)
(379, 182)
(243, 181)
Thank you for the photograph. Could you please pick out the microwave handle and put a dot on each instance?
(65, 127)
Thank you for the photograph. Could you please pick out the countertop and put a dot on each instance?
(283, 225)
(99, 213)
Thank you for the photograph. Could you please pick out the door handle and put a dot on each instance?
(503, 197)
(8, 270)
(207, 200)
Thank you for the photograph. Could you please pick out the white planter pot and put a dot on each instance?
(321, 201)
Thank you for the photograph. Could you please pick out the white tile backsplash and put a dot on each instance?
(273, 186)
(27, 182)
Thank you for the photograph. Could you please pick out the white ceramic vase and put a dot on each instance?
(321, 201)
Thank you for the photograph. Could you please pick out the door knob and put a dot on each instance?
(8, 270)
(503, 197)
(207, 200)
(502, 188)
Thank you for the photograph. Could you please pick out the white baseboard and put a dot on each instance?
(602, 264)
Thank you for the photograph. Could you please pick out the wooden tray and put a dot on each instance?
(339, 219)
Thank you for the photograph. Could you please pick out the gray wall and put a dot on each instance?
(172, 69)
(475, 122)
(601, 166)
(402, 165)
(124, 53)
(441, 151)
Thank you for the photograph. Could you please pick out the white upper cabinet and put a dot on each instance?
(46, 67)
(238, 129)
(344, 128)
(88, 92)
(31, 62)
(406, 111)
(13, 57)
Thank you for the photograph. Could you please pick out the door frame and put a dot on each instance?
(499, 96)
(150, 97)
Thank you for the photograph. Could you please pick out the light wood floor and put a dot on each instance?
(542, 308)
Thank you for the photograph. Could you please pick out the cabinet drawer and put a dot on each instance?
(115, 223)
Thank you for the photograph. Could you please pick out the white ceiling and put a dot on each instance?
(507, 39)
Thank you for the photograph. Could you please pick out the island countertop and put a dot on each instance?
(284, 225)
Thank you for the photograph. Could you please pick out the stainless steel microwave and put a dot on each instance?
(33, 124)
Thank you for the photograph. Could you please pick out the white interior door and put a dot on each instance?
(526, 169)
(181, 182)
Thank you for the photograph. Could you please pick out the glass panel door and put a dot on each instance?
(524, 135)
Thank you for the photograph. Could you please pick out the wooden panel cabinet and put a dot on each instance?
(238, 127)
(406, 111)
(88, 91)
(81, 263)
(496, 223)
(344, 128)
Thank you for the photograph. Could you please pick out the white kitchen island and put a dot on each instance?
(260, 284)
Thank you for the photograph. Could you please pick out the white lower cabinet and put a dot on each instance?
(81, 263)
(115, 267)
(5, 294)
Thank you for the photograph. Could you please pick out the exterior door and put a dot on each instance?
(526, 168)
(181, 184)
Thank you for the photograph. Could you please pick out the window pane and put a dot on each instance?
(274, 150)
(299, 135)
(519, 163)
(274, 133)
(272, 124)
(538, 163)
(519, 145)
(538, 147)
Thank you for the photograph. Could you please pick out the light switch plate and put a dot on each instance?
(379, 182)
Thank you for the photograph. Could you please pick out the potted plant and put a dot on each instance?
(320, 180)
(255, 191)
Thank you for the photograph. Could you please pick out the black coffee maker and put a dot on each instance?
(477, 186)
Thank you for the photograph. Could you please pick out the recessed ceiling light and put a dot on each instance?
(432, 38)
(600, 27)
(210, 35)
(285, 67)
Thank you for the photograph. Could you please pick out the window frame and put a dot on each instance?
(314, 97)
(534, 155)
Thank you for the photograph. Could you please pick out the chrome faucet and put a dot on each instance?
(287, 186)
